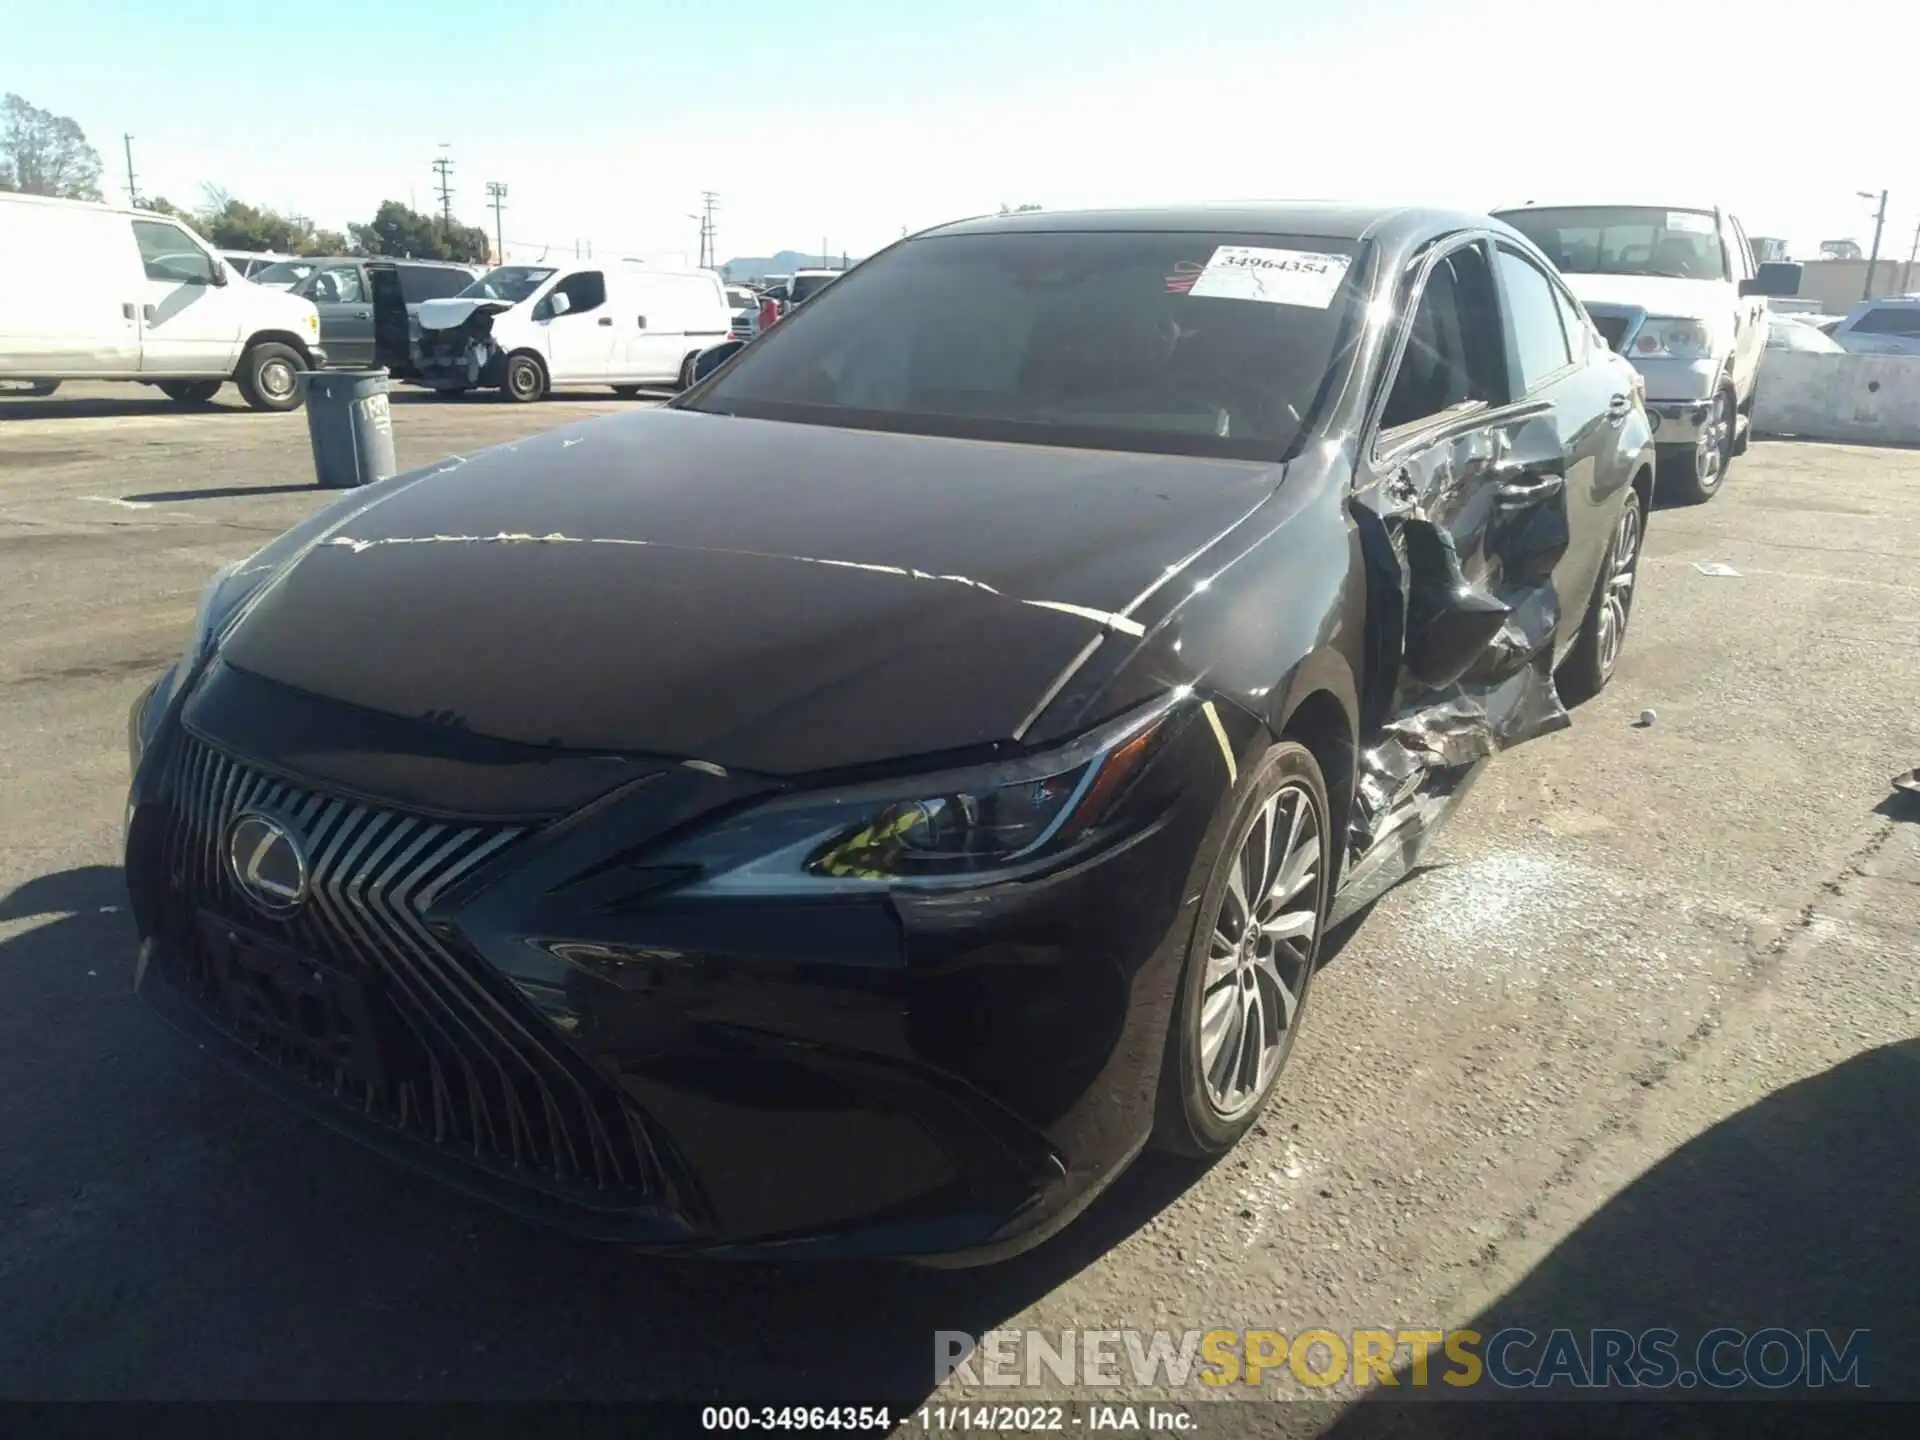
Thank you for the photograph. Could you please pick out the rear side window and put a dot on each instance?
(1537, 330)
(1889, 320)
(1453, 349)
(585, 291)
(431, 282)
(168, 253)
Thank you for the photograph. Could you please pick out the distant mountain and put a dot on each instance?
(784, 263)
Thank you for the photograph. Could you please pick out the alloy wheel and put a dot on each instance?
(1710, 456)
(1623, 562)
(1260, 952)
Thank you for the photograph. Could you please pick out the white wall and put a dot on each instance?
(1873, 398)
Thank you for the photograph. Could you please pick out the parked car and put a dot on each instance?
(343, 287)
(98, 292)
(250, 262)
(523, 329)
(1676, 290)
(285, 274)
(744, 304)
(1889, 325)
(806, 284)
(914, 769)
(1792, 332)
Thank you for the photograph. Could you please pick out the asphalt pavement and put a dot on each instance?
(1635, 1048)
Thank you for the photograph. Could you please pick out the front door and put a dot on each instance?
(580, 343)
(1749, 311)
(345, 301)
(189, 321)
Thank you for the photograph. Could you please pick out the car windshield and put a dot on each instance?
(1625, 240)
(284, 272)
(509, 282)
(1185, 343)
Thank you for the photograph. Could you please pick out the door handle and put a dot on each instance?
(126, 310)
(363, 314)
(606, 320)
(146, 313)
(1518, 494)
(643, 322)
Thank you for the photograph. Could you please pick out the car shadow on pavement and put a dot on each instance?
(1801, 1212)
(223, 492)
(169, 1232)
(137, 403)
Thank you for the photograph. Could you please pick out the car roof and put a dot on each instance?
(1694, 205)
(1397, 225)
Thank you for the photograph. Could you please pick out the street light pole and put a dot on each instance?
(1906, 275)
(1873, 256)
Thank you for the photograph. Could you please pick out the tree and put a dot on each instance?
(397, 230)
(46, 154)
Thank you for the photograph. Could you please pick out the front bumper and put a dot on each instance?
(942, 1076)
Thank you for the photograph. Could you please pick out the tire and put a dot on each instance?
(1204, 1105)
(190, 392)
(524, 378)
(1596, 650)
(685, 382)
(1693, 475)
(267, 376)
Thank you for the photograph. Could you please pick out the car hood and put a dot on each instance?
(1656, 294)
(451, 313)
(764, 596)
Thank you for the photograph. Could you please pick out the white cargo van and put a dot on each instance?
(524, 329)
(94, 292)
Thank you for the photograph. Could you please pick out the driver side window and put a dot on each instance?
(169, 254)
(1454, 346)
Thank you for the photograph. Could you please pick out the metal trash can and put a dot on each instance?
(350, 427)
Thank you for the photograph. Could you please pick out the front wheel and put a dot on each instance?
(189, 392)
(1251, 960)
(524, 380)
(269, 376)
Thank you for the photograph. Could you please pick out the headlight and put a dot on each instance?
(1681, 339)
(955, 826)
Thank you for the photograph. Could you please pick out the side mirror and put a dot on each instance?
(1778, 279)
(558, 303)
(217, 275)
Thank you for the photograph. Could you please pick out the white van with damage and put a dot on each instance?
(1676, 291)
(525, 329)
(98, 292)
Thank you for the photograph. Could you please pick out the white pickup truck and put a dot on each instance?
(1674, 289)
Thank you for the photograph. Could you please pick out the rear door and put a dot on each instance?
(190, 323)
(647, 330)
(344, 299)
(1549, 360)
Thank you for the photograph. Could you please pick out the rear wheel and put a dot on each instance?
(269, 376)
(190, 392)
(686, 371)
(524, 380)
(1603, 634)
(1251, 959)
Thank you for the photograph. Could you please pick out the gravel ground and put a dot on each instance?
(1637, 1047)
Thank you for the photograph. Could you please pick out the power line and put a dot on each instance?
(497, 194)
(443, 168)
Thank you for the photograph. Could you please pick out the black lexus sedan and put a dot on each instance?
(856, 808)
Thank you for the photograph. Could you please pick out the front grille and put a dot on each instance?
(472, 1068)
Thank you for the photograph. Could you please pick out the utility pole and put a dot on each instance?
(1873, 256)
(497, 194)
(1906, 275)
(709, 248)
(133, 194)
(443, 168)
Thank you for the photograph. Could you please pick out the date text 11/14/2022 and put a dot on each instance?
(946, 1419)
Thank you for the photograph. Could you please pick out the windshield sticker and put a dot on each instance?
(1272, 277)
(1689, 222)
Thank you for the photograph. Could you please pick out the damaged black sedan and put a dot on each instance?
(856, 808)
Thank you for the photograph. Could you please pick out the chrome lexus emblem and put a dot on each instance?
(268, 863)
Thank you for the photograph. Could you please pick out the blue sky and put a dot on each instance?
(850, 119)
